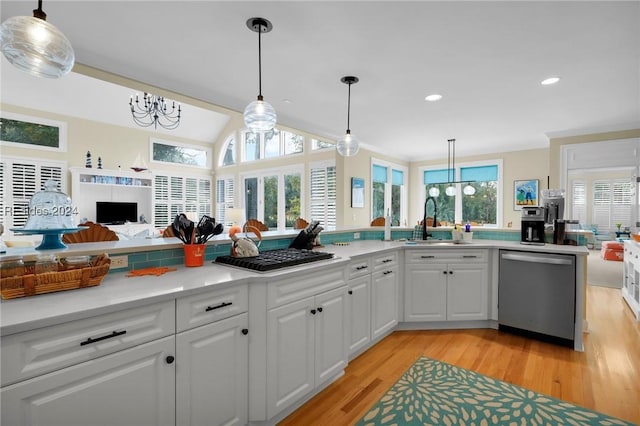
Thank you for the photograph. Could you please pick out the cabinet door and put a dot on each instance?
(332, 333)
(467, 292)
(211, 377)
(135, 386)
(426, 292)
(360, 306)
(290, 353)
(384, 301)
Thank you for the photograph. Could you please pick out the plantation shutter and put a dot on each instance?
(602, 206)
(323, 195)
(579, 201)
(224, 198)
(20, 180)
(176, 194)
(621, 206)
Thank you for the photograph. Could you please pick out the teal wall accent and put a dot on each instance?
(171, 257)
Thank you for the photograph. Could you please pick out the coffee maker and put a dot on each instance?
(532, 226)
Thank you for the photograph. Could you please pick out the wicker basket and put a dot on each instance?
(48, 282)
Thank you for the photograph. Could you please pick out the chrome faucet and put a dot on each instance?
(425, 234)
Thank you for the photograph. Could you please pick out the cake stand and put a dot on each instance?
(51, 238)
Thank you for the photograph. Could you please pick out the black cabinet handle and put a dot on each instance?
(469, 256)
(359, 268)
(387, 272)
(245, 331)
(450, 272)
(350, 291)
(222, 305)
(319, 308)
(445, 272)
(169, 359)
(91, 340)
(387, 260)
(428, 257)
(313, 312)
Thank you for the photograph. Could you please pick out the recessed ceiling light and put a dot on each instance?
(433, 98)
(550, 80)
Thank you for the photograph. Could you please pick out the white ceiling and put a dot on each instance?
(486, 58)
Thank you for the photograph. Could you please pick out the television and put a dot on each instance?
(116, 213)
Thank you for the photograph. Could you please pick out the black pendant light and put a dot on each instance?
(259, 115)
(348, 145)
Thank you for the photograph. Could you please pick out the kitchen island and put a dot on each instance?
(294, 328)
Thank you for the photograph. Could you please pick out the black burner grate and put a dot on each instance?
(275, 259)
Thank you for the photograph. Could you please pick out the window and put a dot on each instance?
(271, 144)
(32, 132)
(19, 180)
(179, 153)
(611, 204)
(175, 194)
(317, 145)
(322, 184)
(480, 207)
(224, 198)
(228, 153)
(388, 191)
(274, 196)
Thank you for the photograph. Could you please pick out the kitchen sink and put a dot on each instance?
(437, 242)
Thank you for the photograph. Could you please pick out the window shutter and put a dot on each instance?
(224, 198)
(601, 206)
(176, 194)
(323, 195)
(621, 206)
(578, 201)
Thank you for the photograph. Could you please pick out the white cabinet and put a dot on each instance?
(212, 351)
(631, 279)
(306, 346)
(360, 313)
(135, 386)
(90, 185)
(385, 284)
(212, 373)
(446, 285)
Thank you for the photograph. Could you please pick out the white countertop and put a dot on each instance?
(117, 291)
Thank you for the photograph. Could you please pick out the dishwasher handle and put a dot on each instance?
(536, 259)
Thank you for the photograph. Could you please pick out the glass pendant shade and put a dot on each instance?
(348, 145)
(469, 190)
(450, 191)
(434, 192)
(260, 116)
(37, 47)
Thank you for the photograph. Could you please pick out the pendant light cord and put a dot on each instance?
(451, 161)
(260, 62)
(349, 109)
(39, 13)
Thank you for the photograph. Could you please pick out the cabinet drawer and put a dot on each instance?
(292, 289)
(39, 351)
(358, 268)
(385, 260)
(200, 309)
(447, 256)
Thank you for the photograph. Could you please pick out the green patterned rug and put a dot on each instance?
(436, 393)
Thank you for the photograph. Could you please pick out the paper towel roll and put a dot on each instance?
(387, 228)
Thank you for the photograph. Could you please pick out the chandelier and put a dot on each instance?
(35, 46)
(451, 175)
(154, 110)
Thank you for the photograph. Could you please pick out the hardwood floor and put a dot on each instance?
(605, 377)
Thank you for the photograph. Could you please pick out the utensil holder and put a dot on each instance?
(193, 254)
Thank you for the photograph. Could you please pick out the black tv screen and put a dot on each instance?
(116, 213)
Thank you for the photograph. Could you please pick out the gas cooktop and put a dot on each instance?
(275, 259)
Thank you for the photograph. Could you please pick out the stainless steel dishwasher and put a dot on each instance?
(537, 295)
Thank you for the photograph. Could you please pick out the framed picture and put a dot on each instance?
(525, 193)
(357, 192)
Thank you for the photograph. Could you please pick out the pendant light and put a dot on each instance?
(259, 116)
(451, 176)
(36, 46)
(348, 145)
